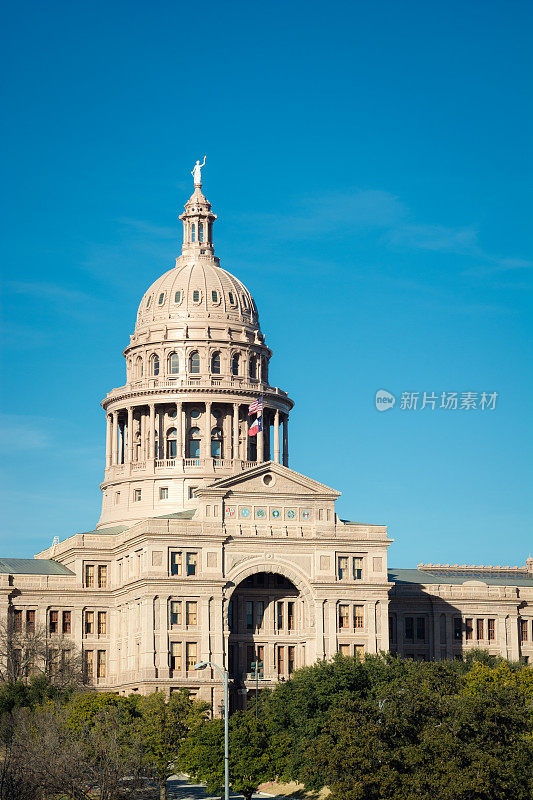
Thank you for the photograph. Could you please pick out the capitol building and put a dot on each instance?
(209, 547)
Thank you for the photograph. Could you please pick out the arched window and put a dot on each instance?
(201, 232)
(215, 363)
(138, 367)
(193, 232)
(216, 443)
(235, 364)
(193, 444)
(154, 364)
(172, 444)
(194, 363)
(173, 364)
(264, 370)
(252, 367)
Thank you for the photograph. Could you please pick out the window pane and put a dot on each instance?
(191, 563)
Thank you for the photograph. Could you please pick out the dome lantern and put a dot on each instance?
(197, 219)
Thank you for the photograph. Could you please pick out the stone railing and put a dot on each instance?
(179, 465)
(224, 381)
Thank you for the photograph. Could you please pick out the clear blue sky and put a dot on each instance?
(371, 166)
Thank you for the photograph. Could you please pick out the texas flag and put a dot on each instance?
(256, 426)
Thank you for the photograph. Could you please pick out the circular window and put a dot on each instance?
(195, 413)
(268, 480)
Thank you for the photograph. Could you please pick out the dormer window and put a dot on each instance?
(214, 296)
(196, 296)
(177, 297)
(148, 302)
(232, 298)
(161, 299)
(193, 232)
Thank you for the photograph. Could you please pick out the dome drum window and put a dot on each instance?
(194, 363)
(173, 364)
(235, 364)
(252, 368)
(215, 364)
(154, 365)
(216, 443)
(193, 443)
(172, 444)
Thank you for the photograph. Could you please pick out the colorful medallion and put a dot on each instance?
(260, 513)
(230, 511)
(306, 515)
(276, 513)
(291, 513)
(245, 513)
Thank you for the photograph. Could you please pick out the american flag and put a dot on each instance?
(256, 407)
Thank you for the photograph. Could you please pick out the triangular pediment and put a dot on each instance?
(270, 478)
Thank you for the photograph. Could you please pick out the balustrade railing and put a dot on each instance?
(178, 464)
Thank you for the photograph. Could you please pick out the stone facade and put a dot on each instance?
(209, 547)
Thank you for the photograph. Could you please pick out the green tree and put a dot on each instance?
(254, 753)
(161, 727)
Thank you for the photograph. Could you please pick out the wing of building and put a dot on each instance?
(209, 547)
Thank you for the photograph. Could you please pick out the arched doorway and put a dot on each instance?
(267, 627)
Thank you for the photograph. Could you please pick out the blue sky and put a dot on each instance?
(371, 166)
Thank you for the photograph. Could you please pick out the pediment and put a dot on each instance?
(269, 478)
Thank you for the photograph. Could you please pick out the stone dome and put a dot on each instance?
(197, 289)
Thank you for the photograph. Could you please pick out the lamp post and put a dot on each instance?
(224, 675)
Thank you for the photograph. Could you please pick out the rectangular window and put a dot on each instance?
(523, 630)
(67, 622)
(421, 629)
(261, 657)
(17, 620)
(359, 651)
(175, 612)
(469, 629)
(457, 629)
(89, 576)
(260, 614)
(30, 621)
(409, 628)
(290, 616)
(359, 617)
(280, 616)
(344, 649)
(163, 493)
(54, 622)
(491, 629)
(102, 623)
(249, 615)
(88, 664)
(191, 612)
(479, 629)
(281, 660)
(192, 650)
(291, 650)
(89, 622)
(100, 664)
(357, 568)
(102, 576)
(175, 656)
(192, 559)
(343, 567)
(175, 564)
(344, 616)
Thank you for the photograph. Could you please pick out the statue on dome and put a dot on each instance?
(197, 172)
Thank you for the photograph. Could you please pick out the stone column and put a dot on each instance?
(108, 439)
(129, 457)
(114, 437)
(179, 439)
(207, 431)
(286, 441)
(276, 436)
(235, 453)
(151, 430)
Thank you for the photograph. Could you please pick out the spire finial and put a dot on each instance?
(197, 172)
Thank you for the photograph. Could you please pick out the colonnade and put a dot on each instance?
(139, 433)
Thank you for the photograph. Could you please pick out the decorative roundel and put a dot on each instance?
(245, 513)
(291, 513)
(260, 512)
(230, 511)
(306, 515)
(276, 513)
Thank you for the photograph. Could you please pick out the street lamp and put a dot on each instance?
(224, 675)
